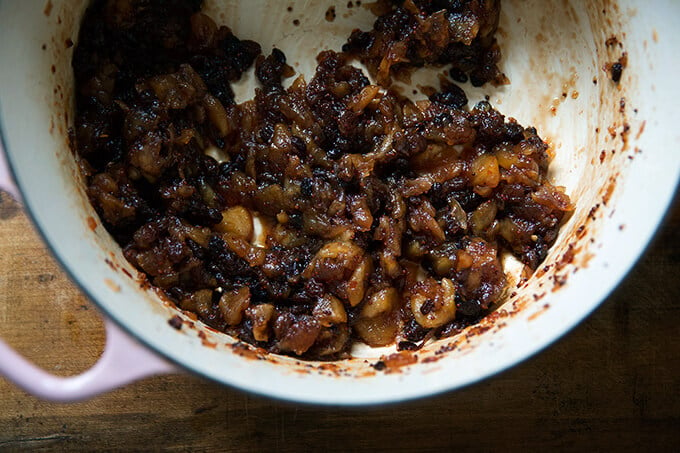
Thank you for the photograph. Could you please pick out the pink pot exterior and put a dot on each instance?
(124, 360)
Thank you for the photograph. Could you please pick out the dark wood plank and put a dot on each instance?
(612, 384)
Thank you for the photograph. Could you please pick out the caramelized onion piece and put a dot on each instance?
(217, 115)
(329, 310)
(378, 331)
(380, 302)
(433, 304)
(238, 222)
(485, 174)
(296, 333)
(261, 317)
(233, 303)
(335, 260)
(356, 285)
(198, 302)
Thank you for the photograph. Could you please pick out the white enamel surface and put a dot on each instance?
(555, 46)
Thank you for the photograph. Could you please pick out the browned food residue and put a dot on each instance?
(113, 286)
(543, 309)
(91, 223)
(567, 258)
(247, 351)
(609, 191)
(330, 14)
(204, 340)
(176, 322)
(397, 360)
(616, 68)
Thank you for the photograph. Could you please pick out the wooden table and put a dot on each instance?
(613, 383)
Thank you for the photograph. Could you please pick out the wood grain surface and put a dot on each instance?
(613, 384)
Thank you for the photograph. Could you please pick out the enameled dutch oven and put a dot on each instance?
(617, 154)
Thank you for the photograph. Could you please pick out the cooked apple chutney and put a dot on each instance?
(311, 217)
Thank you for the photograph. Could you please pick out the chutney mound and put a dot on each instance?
(382, 219)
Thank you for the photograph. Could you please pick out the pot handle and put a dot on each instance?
(6, 181)
(124, 360)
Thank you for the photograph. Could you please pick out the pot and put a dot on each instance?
(616, 153)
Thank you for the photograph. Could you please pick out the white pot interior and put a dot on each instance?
(619, 164)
